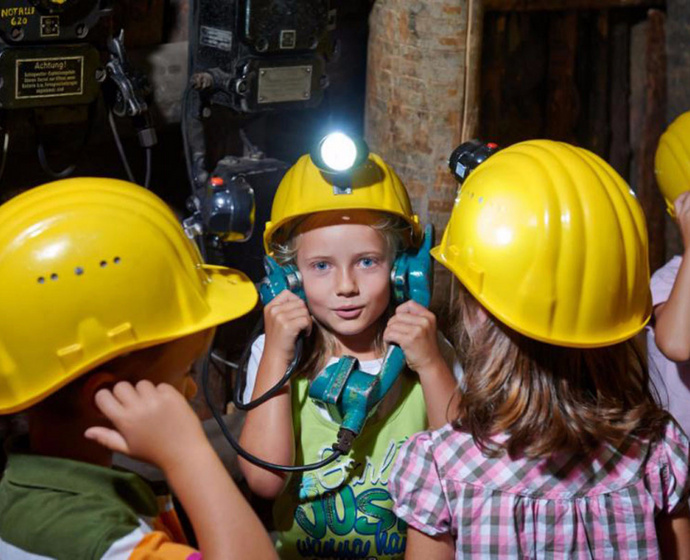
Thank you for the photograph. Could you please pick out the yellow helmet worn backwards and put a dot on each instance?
(672, 161)
(306, 190)
(553, 243)
(91, 269)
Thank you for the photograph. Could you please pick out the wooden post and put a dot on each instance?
(619, 153)
(678, 64)
(678, 84)
(562, 106)
(494, 72)
(647, 123)
(598, 106)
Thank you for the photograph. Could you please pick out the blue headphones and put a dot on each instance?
(349, 394)
(411, 276)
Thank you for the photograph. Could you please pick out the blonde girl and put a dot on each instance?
(344, 243)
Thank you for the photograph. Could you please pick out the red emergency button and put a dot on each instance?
(217, 181)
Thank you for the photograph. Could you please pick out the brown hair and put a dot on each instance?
(548, 398)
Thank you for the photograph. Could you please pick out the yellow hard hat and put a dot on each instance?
(305, 190)
(672, 161)
(553, 243)
(91, 269)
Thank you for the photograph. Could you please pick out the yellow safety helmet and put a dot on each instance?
(553, 243)
(91, 269)
(672, 161)
(305, 190)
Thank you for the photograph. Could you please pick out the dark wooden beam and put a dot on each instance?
(619, 152)
(493, 70)
(561, 5)
(598, 96)
(678, 78)
(678, 49)
(562, 98)
(651, 125)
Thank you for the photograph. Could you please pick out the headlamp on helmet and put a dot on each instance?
(337, 155)
(467, 156)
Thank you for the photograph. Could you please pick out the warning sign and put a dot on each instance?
(49, 77)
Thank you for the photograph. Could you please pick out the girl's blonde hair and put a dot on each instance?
(397, 234)
(548, 398)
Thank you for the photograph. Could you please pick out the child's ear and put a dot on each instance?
(97, 380)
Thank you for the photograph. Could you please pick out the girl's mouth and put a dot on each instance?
(349, 312)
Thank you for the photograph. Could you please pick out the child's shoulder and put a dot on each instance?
(438, 445)
(663, 280)
(258, 344)
(667, 472)
(668, 270)
(70, 512)
(672, 448)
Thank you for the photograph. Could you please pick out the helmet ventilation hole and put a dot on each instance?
(41, 280)
(116, 260)
(54, 276)
(79, 271)
(104, 264)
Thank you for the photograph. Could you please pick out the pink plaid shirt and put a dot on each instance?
(562, 507)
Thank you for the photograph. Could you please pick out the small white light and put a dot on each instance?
(338, 151)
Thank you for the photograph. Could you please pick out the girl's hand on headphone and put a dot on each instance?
(413, 328)
(285, 317)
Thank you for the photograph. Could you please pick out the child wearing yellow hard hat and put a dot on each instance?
(106, 305)
(344, 242)
(668, 342)
(557, 448)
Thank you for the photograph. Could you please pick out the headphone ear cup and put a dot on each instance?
(399, 291)
(279, 278)
(294, 280)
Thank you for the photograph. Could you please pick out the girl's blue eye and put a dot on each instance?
(321, 265)
(368, 262)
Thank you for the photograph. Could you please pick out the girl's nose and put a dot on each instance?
(347, 283)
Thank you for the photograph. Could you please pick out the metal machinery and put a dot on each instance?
(248, 56)
(49, 60)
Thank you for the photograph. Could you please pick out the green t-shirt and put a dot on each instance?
(59, 509)
(344, 510)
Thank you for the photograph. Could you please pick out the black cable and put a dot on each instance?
(240, 450)
(149, 164)
(185, 138)
(43, 160)
(241, 382)
(42, 157)
(226, 363)
(251, 150)
(120, 148)
(188, 157)
(184, 122)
